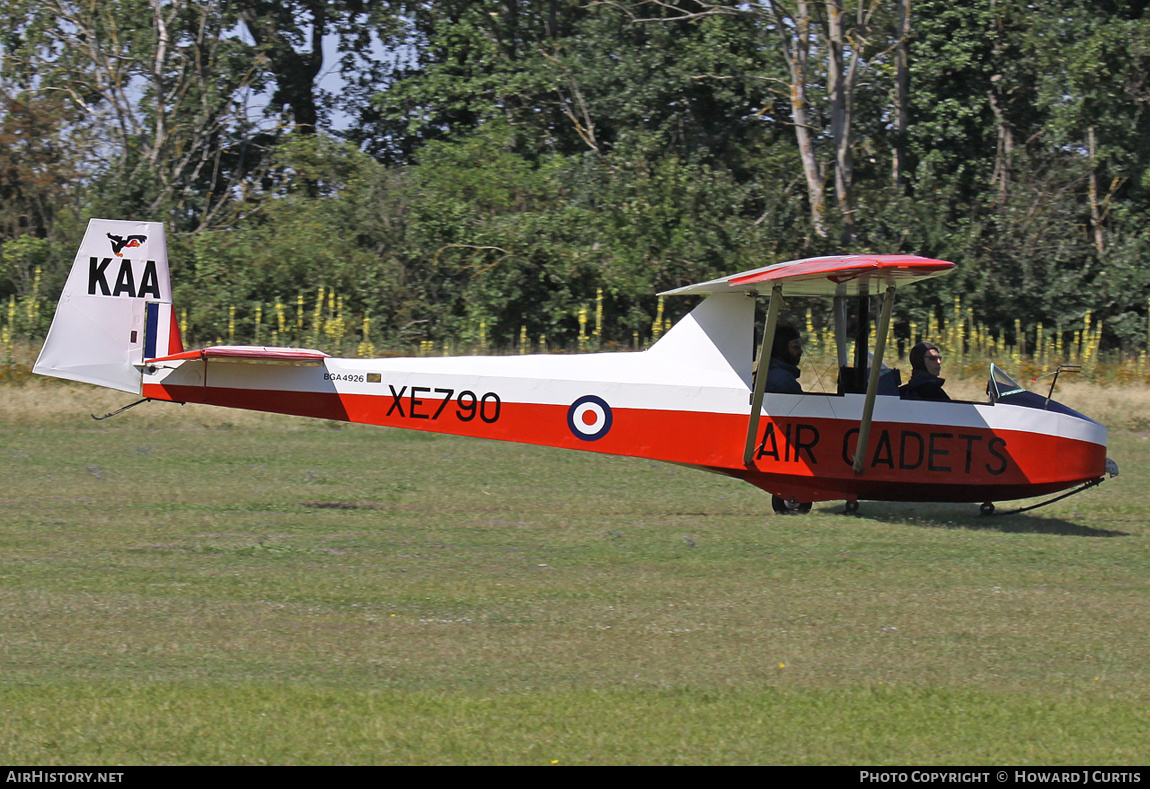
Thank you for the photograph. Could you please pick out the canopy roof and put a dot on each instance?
(837, 275)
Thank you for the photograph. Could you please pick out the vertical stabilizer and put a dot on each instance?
(117, 301)
(718, 335)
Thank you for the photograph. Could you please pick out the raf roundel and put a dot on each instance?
(589, 418)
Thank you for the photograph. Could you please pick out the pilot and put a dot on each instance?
(924, 383)
(786, 353)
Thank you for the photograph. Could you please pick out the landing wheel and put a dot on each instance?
(789, 506)
(986, 508)
(851, 508)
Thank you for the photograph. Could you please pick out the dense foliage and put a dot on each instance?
(459, 167)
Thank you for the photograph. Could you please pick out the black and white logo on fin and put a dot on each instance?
(119, 242)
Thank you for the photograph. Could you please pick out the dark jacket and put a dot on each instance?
(923, 386)
(783, 377)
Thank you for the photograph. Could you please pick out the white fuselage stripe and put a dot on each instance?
(623, 380)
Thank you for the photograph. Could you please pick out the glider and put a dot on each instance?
(691, 399)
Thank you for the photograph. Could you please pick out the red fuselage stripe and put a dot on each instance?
(805, 458)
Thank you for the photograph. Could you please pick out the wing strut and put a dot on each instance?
(840, 309)
(872, 381)
(761, 374)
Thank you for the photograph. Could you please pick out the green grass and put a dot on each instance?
(182, 585)
(169, 724)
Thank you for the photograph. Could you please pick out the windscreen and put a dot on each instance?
(1004, 389)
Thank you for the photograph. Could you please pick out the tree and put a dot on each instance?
(290, 36)
(1025, 129)
(162, 106)
(826, 48)
(38, 170)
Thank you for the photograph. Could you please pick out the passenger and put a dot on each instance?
(786, 353)
(924, 383)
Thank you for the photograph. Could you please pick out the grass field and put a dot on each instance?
(193, 585)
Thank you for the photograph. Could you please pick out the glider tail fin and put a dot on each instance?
(718, 335)
(116, 308)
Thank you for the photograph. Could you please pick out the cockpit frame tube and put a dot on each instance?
(872, 381)
(762, 370)
(840, 310)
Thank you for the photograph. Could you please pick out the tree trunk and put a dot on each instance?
(797, 52)
(1000, 178)
(1095, 214)
(902, 94)
(840, 83)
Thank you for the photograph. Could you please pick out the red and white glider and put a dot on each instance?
(691, 399)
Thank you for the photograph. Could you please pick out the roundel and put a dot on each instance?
(589, 418)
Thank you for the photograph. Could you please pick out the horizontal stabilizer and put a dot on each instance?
(251, 353)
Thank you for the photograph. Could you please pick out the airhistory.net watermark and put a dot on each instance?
(61, 777)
